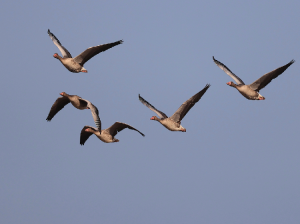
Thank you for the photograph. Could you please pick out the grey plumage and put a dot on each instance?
(147, 104)
(187, 105)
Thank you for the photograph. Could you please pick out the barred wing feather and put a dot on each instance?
(187, 105)
(228, 72)
(147, 104)
(65, 53)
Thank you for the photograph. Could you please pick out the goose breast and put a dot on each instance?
(247, 92)
(170, 124)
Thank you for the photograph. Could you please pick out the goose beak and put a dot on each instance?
(261, 98)
(183, 130)
(152, 118)
(228, 83)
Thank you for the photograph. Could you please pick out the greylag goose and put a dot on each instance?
(78, 103)
(251, 92)
(106, 135)
(173, 123)
(76, 64)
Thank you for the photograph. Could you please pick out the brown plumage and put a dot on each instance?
(251, 91)
(106, 135)
(76, 64)
(78, 103)
(173, 123)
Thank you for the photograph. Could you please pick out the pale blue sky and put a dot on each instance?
(238, 162)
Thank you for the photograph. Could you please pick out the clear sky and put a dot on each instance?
(238, 162)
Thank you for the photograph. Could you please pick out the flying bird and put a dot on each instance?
(76, 64)
(106, 135)
(78, 103)
(251, 92)
(173, 123)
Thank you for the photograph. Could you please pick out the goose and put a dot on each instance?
(106, 135)
(173, 123)
(251, 92)
(78, 103)
(76, 64)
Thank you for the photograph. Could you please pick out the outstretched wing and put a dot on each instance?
(187, 105)
(92, 51)
(118, 126)
(65, 53)
(84, 135)
(57, 106)
(267, 78)
(95, 114)
(228, 72)
(159, 113)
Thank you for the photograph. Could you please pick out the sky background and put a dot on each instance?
(238, 162)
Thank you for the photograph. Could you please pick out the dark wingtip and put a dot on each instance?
(292, 61)
(120, 41)
(141, 98)
(49, 31)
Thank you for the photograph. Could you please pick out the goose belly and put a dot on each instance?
(105, 137)
(248, 93)
(170, 125)
(71, 65)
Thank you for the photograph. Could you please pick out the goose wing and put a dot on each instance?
(57, 106)
(267, 78)
(84, 135)
(92, 51)
(119, 126)
(95, 114)
(228, 72)
(187, 105)
(159, 113)
(65, 53)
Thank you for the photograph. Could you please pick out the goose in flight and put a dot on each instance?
(76, 64)
(78, 103)
(251, 91)
(106, 135)
(173, 123)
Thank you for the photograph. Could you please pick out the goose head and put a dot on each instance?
(115, 140)
(63, 94)
(56, 56)
(90, 130)
(231, 84)
(154, 118)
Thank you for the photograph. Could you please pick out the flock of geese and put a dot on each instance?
(172, 123)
